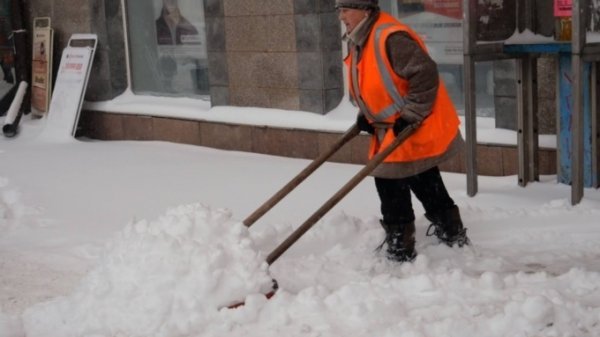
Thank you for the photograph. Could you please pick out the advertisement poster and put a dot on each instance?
(180, 38)
(562, 8)
(41, 74)
(440, 27)
(449, 8)
(71, 81)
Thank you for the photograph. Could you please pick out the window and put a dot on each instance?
(439, 23)
(167, 47)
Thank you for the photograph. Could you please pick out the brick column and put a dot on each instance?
(282, 54)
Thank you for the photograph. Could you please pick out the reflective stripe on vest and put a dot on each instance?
(390, 87)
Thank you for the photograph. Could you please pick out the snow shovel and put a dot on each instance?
(329, 204)
(352, 132)
(340, 194)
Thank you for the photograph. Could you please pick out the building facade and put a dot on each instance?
(283, 54)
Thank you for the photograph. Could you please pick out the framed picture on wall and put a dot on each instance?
(41, 65)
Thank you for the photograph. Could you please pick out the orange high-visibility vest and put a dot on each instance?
(385, 102)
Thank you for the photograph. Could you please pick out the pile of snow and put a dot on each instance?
(163, 278)
(170, 277)
(11, 208)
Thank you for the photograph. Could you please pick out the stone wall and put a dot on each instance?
(282, 54)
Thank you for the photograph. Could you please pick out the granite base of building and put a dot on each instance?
(492, 159)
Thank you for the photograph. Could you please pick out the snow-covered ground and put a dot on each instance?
(126, 238)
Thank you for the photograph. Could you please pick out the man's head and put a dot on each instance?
(170, 5)
(352, 12)
(357, 4)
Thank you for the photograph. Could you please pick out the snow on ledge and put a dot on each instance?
(528, 37)
(197, 109)
(337, 120)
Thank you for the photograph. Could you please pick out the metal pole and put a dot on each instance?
(527, 136)
(595, 127)
(578, 41)
(522, 120)
(469, 44)
(531, 106)
(533, 167)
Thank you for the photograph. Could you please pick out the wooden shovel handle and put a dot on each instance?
(292, 184)
(328, 205)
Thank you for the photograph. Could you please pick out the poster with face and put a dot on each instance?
(175, 28)
(181, 44)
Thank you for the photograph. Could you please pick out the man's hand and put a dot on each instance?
(364, 125)
(399, 125)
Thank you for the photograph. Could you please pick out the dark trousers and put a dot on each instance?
(428, 187)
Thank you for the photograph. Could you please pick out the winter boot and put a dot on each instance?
(448, 227)
(400, 240)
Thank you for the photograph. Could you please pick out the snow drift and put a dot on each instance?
(168, 277)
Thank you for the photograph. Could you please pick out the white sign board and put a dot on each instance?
(69, 89)
(442, 36)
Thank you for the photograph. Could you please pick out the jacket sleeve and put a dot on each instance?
(411, 62)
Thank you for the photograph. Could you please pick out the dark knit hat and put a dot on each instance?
(358, 4)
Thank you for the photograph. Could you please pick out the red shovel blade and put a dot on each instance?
(267, 295)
